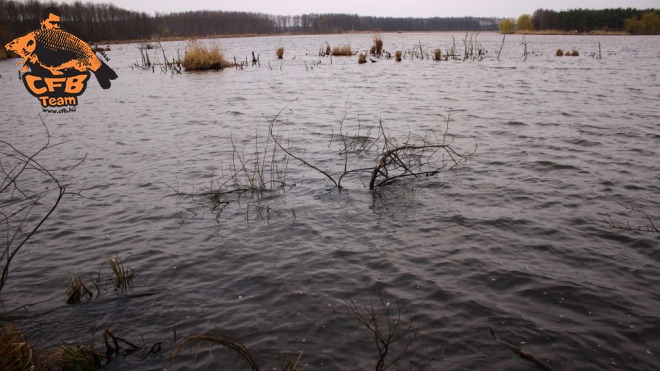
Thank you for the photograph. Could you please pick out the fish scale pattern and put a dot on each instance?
(58, 40)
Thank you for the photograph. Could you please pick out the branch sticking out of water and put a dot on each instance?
(413, 156)
(387, 327)
(521, 353)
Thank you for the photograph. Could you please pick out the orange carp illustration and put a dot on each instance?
(59, 51)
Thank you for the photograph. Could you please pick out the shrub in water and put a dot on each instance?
(377, 48)
(575, 53)
(559, 53)
(198, 57)
(344, 50)
(397, 56)
(280, 53)
(362, 58)
(437, 54)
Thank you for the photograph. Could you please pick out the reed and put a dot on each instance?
(280, 53)
(77, 291)
(122, 277)
(218, 338)
(378, 44)
(397, 56)
(78, 357)
(16, 353)
(342, 51)
(199, 57)
(559, 53)
(362, 58)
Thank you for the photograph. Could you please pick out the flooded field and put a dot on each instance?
(517, 238)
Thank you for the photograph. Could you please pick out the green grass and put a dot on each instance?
(123, 277)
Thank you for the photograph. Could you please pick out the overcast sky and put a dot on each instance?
(384, 8)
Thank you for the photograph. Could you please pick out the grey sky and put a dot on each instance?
(406, 8)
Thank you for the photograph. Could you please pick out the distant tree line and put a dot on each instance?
(634, 21)
(105, 22)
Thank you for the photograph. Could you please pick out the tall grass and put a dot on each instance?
(16, 353)
(199, 57)
(377, 48)
(437, 54)
(342, 51)
(123, 277)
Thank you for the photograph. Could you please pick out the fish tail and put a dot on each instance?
(104, 74)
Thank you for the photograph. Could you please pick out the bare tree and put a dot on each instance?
(387, 326)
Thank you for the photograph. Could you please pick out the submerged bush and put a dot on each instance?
(574, 53)
(280, 53)
(437, 54)
(397, 56)
(199, 57)
(377, 48)
(559, 53)
(342, 51)
(362, 58)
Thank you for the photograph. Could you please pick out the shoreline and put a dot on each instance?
(251, 35)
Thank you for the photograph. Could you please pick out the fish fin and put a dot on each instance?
(104, 74)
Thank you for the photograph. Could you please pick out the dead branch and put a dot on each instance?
(386, 326)
(521, 353)
(18, 201)
(650, 228)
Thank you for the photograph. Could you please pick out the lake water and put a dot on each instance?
(516, 238)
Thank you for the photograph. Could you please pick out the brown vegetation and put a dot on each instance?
(362, 58)
(437, 54)
(342, 51)
(199, 57)
(377, 48)
(397, 56)
(280, 53)
(559, 53)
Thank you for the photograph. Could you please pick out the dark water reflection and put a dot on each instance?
(515, 239)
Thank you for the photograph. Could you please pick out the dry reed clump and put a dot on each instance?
(16, 353)
(559, 53)
(437, 54)
(199, 57)
(397, 56)
(377, 48)
(342, 51)
(362, 58)
(280, 53)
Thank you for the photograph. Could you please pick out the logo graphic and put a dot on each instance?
(59, 63)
